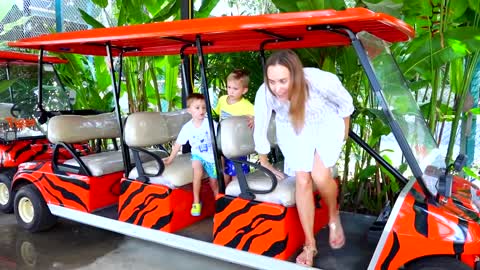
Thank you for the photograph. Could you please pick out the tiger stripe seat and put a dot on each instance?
(265, 222)
(155, 199)
(99, 173)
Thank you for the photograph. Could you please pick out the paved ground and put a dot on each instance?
(70, 245)
(74, 246)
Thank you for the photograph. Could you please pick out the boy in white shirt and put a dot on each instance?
(197, 132)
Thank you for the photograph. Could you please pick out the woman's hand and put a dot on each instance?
(265, 163)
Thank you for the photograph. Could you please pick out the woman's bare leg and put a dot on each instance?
(197, 179)
(328, 190)
(306, 213)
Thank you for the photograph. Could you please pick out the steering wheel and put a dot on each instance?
(15, 111)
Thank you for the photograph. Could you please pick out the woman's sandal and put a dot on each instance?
(307, 255)
(336, 243)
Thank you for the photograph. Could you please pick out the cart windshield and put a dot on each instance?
(401, 103)
(19, 98)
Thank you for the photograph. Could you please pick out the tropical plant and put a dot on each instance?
(144, 78)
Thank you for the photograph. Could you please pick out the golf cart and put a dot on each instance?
(433, 223)
(22, 137)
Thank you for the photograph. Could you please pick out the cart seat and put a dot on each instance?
(283, 194)
(175, 175)
(108, 162)
(68, 129)
(162, 128)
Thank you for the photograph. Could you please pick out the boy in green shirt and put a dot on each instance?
(234, 104)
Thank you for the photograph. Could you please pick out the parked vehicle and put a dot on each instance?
(433, 223)
(22, 137)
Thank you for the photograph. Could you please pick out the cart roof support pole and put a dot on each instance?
(218, 166)
(116, 94)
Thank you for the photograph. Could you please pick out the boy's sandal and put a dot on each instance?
(337, 242)
(307, 255)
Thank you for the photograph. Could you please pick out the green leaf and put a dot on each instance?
(471, 173)
(90, 20)
(475, 5)
(475, 111)
(101, 3)
(457, 43)
(5, 84)
(392, 7)
(206, 8)
(171, 8)
(286, 5)
(458, 10)
(102, 74)
(5, 8)
(367, 173)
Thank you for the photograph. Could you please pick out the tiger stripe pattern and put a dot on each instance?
(447, 229)
(159, 207)
(20, 151)
(74, 191)
(262, 228)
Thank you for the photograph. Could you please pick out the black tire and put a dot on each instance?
(42, 219)
(6, 176)
(438, 263)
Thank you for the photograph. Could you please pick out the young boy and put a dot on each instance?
(197, 132)
(233, 104)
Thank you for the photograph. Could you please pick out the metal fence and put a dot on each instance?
(27, 18)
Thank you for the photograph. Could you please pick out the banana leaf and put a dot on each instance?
(421, 57)
(5, 84)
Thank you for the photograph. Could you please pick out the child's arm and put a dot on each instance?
(173, 154)
(251, 121)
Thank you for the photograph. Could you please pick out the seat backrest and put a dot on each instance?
(144, 129)
(236, 138)
(79, 128)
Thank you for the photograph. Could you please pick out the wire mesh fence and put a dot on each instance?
(28, 18)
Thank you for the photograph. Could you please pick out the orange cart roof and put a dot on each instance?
(224, 34)
(22, 58)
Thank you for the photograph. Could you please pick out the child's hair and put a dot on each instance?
(194, 96)
(241, 75)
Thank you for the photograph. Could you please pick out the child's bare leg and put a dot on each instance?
(227, 179)
(214, 185)
(197, 179)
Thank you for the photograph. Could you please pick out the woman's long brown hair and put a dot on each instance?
(298, 92)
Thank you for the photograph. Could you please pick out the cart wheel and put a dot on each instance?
(438, 263)
(31, 210)
(6, 194)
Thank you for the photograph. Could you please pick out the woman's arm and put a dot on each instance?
(263, 113)
(332, 89)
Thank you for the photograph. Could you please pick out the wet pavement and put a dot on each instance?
(71, 245)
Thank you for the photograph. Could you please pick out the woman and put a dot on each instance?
(312, 120)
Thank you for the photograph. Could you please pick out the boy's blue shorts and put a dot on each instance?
(209, 167)
(230, 167)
